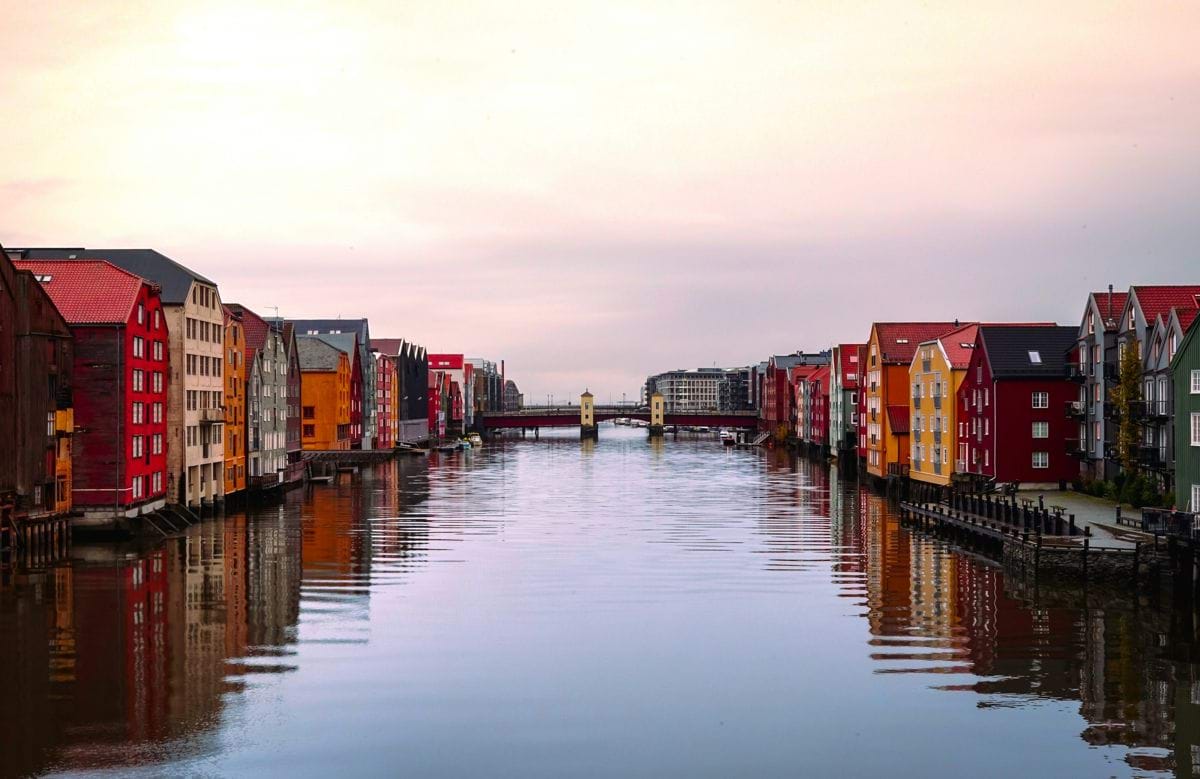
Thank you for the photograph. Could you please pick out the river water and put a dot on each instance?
(563, 608)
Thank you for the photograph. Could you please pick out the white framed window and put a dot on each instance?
(139, 488)
(139, 346)
(138, 416)
(141, 314)
(156, 444)
(139, 380)
(1041, 429)
(1195, 382)
(138, 446)
(1196, 498)
(1041, 400)
(158, 481)
(1195, 429)
(1041, 459)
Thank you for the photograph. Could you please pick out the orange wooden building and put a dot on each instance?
(235, 403)
(325, 378)
(889, 355)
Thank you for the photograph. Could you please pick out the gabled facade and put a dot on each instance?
(816, 411)
(293, 440)
(935, 375)
(438, 403)
(267, 400)
(799, 408)
(348, 344)
(459, 384)
(1145, 317)
(777, 403)
(235, 404)
(36, 414)
(120, 385)
(890, 350)
(365, 404)
(1185, 376)
(325, 393)
(843, 400)
(411, 390)
(386, 402)
(1096, 361)
(1009, 404)
(1156, 453)
(196, 323)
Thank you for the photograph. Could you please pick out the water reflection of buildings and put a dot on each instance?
(124, 652)
(933, 609)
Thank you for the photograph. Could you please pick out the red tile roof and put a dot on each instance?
(898, 419)
(254, 330)
(1110, 310)
(959, 345)
(898, 340)
(88, 292)
(848, 368)
(1187, 317)
(1156, 300)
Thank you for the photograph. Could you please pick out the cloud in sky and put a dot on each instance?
(594, 191)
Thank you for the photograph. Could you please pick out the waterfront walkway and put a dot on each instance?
(1097, 513)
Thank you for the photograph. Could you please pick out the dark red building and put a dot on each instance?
(862, 404)
(1011, 425)
(36, 365)
(818, 408)
(121, 374)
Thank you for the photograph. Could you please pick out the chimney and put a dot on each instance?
(1109, 302)
(956, 321)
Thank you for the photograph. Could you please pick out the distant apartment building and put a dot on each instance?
(195, 386)
(702, 389)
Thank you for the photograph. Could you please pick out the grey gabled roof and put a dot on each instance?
(359, 326)
(175, 279)
(316, 355)
(1008, 348)
(345, 342)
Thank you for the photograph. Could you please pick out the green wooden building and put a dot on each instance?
(1185, 369)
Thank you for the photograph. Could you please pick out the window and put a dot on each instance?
(158, 351)
(139, 380)
(1041, 459)
(1195, 382)
(1041, 429)
(138, 446)
(141, 314)
(157, 319)
(156, 444)
(1041, 400)
(158, 381)
(158, 481)
(1035, 357)
(139, 346)
(310, 412)
(157, 412)
(1195, 428)
(139, 488)
(138, 413)
(310, 431)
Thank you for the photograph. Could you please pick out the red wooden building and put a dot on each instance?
(1011, 426)
(818, 408)
(862, 404)
(121, 373)
(385, 401)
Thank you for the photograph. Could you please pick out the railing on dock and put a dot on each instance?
(1170, 523)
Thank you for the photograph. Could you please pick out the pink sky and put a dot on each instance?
(595, 191)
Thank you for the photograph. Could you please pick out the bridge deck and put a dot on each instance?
(568, 416)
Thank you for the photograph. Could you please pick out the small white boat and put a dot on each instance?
(728, 437)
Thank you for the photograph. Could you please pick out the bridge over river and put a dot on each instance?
(587, 415)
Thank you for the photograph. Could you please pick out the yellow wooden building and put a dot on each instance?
(936, 372)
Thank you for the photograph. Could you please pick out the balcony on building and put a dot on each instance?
(1157, 409)
(1076, 409)
(212, 416)
(1076, 447)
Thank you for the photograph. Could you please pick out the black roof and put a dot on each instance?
(175, 279)
(1010, 349)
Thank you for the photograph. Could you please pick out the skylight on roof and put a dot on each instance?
(966, 345)
(43, 278)
(1035, 358)
(901, 340)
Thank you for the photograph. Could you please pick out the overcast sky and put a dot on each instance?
(595, 191)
